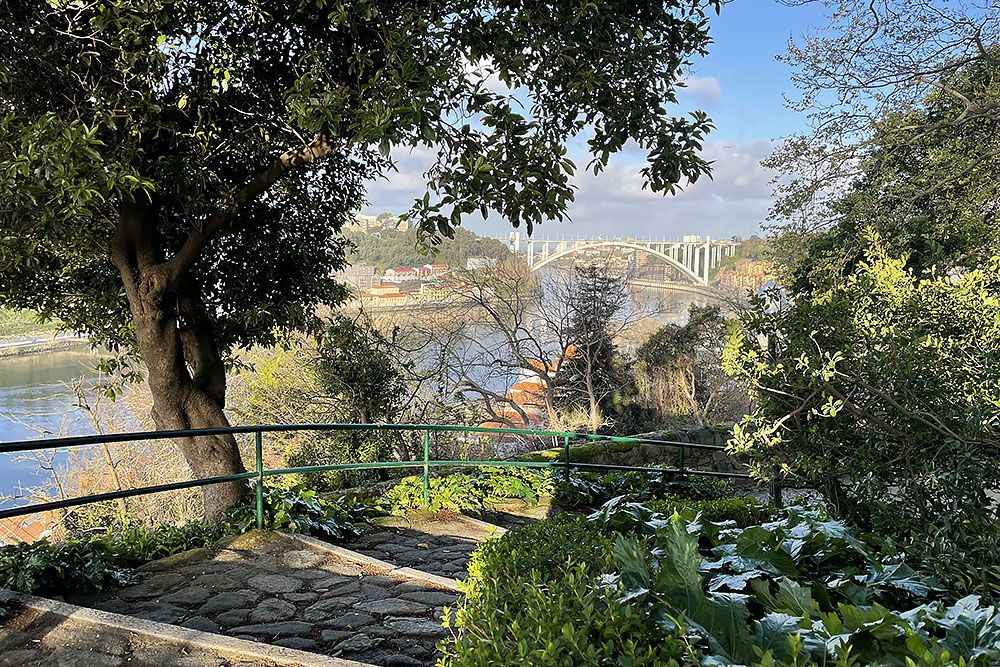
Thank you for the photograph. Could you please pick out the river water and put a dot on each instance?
(36, 402)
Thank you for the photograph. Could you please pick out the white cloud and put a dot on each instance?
(395, 193)
(702, 89)
(734, 201)
(485, 70)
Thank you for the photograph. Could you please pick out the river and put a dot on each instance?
(36, 402)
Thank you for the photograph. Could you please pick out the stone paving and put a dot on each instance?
(439, 544)
(271, 588)
(514, 514)
(38, 639)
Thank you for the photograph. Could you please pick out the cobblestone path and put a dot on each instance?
(270, 588)
(36, 639)
(514, 514)
(439, 544)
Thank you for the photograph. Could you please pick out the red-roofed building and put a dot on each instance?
(747, 274)
(27, 529)
(528, 394)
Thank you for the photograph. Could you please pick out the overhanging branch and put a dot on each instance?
(320, 147)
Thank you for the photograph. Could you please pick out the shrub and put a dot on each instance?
(630, 586)
(567, 621)
(593, 489)
(478, 491)
(533, 597)
(881, 392)
(548, 548)
(338, 447)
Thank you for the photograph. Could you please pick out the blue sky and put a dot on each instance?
(748, 35)
(740, 85)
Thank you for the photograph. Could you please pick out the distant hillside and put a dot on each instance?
(389, 248)
(22, 323)
(755, 249)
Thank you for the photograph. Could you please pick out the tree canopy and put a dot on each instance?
(174, 172)
(915, 186)
(197, 108)
(881, 392)
(902, 100)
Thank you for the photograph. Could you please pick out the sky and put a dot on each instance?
(743, 89)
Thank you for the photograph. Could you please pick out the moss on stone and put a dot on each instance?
(250, 540)
(174, 560)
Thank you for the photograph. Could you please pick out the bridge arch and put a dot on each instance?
(685, 271)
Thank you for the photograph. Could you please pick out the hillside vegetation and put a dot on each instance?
(397, 247)
(20, 323)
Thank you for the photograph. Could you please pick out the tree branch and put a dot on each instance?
(320, 147)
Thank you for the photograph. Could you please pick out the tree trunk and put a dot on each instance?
(594, 405)
(185, 371)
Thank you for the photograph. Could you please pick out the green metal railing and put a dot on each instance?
(259, 472)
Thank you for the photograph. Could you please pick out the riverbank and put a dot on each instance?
(23, 345)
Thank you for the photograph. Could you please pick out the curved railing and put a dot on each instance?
(426, 463)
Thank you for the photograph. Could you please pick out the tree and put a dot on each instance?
(530, 314)
(678, 374)
(358, 374)
(356, 364)
(549, 335)
(588, 377)
(174, 172)
(881, 392)
(904, 103)
(360, 370)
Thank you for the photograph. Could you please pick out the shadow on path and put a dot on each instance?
(269, 588)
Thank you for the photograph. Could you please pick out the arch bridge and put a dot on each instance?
(693, 257)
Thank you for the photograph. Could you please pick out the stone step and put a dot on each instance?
(293, 592)
(440, 544)
(50, 633)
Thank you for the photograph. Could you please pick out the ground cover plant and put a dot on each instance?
(97, 562)
(631, 586)
(477, 491)
(92, 563)
(484, 489)
(583, 489)
(302, 510)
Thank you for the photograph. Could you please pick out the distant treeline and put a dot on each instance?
(394, 247)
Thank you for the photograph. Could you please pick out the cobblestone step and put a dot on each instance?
(440, 544)
(49, 633)
(273, 588)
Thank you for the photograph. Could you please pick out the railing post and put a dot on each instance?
(776, 492)
(259, 455)
(566, 457)
(681, 466)
(427, 468)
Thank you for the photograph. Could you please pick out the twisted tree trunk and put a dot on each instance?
(185, 371)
